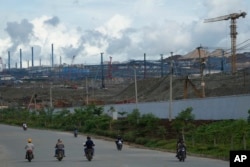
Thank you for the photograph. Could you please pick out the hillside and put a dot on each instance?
(150, 89)
(215, 85)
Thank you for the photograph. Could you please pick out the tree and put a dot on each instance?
(79, 116)
(242, 127)
(45, 117)
(133, 118)
(62, 119)
(111, 111)
(183, 121)
(148, 124)
(248, 118)
(122, 113)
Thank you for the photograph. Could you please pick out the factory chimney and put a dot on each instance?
(9, 60)
(102, 66)
(20, 58)
(32, 57)
(52, 55)
(145, 66)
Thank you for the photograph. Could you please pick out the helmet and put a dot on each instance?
(29, 140)
(59, 140)
(88, 137)
(181, 141)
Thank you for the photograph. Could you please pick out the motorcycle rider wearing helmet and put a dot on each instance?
(25, 126)
(75, 131)
(29, 146)
(119, 138)
(180, 144)
(59, 146)
(89, 144)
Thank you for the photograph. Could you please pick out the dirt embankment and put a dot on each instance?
(149, 89)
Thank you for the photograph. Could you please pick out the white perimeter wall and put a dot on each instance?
(216, 108)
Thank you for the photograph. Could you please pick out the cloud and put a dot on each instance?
(19, 32)
(119, 45)
(217, 8)
(124, 30)
(114, 27)
(54, 21)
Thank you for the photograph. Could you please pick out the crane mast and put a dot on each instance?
(233, 33)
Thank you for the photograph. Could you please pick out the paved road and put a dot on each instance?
(13, 140)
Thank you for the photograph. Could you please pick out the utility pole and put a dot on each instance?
(136, 98)
(199, 52)
(50, 96)
(170, 89)
(87, 91)
(202, 64)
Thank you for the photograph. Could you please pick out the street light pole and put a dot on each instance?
(87, 91)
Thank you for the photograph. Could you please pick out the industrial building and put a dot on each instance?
(186, 65)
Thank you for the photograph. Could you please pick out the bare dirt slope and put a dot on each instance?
(150, 89)
(215, 85)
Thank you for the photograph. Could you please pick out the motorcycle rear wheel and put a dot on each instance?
(60, 155)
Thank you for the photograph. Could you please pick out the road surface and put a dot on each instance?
(13, 140)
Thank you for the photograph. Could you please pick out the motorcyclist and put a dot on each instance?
(59, 146)
(29, 146)
(24, 126)
(89, 144)
(75, 132)
(180, 144)
(119, 138)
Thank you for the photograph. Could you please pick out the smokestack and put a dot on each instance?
(20, 58)
(161, 65)
(145, 65)
(103, 85)
(52, 55)
(1, 65)
(32, 57)
(8, 59)
(40, 62)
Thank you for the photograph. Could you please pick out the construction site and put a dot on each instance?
(203, 72)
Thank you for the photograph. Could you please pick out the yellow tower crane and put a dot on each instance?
(233, 33)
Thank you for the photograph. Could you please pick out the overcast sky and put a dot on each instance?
(121, 29)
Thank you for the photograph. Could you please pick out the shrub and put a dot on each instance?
(141, 140)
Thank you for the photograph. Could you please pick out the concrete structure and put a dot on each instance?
(216, 108)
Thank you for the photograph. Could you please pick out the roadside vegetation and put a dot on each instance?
(204, 138)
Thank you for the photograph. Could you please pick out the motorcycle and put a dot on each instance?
(89, 154)
(60, 154)
(29, 155)
(119, 145)
(25, 127)
(182, 154)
